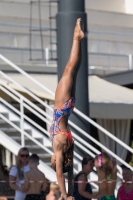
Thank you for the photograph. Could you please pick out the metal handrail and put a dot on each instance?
(28, 107)
(25, 105)
(75, 110)
(15, 110)
(74, 135)
(45, 148)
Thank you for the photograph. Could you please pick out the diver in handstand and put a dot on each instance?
(60, 133)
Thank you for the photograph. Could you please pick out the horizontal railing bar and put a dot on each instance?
(43, 29)
(89, 30)
(40, 50)
(108, 54)
(20, 25)
(42, 1)
(110, 33)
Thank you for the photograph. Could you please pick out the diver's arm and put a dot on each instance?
(59, 173)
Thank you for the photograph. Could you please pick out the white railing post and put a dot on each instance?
(8, 158)
(22, 121)
(130, 58)
(46, 56)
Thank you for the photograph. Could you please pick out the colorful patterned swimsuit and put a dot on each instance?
(65, 109)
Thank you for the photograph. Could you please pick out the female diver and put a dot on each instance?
(60, 133)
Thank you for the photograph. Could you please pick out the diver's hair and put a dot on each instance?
(18, 162)
(68, 157)
(54, 186)
(106, 163)
(85, 160)
(34, 158)
(53, 166)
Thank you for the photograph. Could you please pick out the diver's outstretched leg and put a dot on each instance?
(66, 85)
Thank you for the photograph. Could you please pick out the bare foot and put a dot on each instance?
(78, 32)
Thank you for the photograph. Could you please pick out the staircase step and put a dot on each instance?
(32, 147)
(38, 150)
(27, 140)
(2, 121)
(5, 114)
(6, 125)
(12, 132)
(16, 121)
(3, 109)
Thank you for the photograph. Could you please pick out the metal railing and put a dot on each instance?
(34, 109)
(75, 110)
